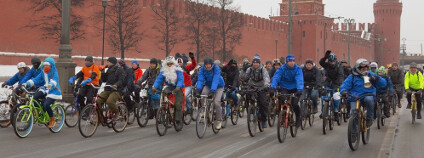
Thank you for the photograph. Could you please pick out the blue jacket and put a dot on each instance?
(383, 90)
(355, 85)
(17, 77)
(288, 78)
(212, 78)
(52, 78)
(160, 79)
(32, 73)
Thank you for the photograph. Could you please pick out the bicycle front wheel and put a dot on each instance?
(122, 122)
(72, 114)
(252, 122)
(88, 120)
(293, 128)
(24, 122)
(162, 121)
(5, 109)
(234, 115)
(324, 118)
(282, 126)
(272, 114)
(132, 113)
(305, 110)
(311, 116)
(187, 116)
(141, 114)
(353, 136)
(60, 117)
(366, 135)
(201, 122)
(378, 113)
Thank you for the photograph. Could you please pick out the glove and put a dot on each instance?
(153, 90)
(191, 55)
(374, 78)
(49, 86)
(327, 54)
(3, 85)
(298, 93)
(272, 91)
(88, 80)
(175, 91)
(344, 94)
(408, 91)
(72, 79)
(25, 84)
(115, 87)
(211, 94)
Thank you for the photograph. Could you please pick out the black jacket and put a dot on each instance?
(311, 78)
(397, 77)
(231, 75)
(115, 75)
(334, 73)
(129, 78)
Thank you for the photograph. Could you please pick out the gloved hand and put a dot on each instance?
(344, 94)
(3, 85)
(153, 90)
(327, 54)
(374, 78)
(298, 93)
(115, 87)
(272, 91)
(211, 94)
(25, 84)
(408, 91)
(191, 55)
(197, 93)
(49, 86)
(72, 79)
(88, 80)
(176, 90)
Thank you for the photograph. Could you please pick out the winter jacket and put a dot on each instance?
(257, 78)
(288, 78)
(161, 78)
(150, 75)
(355, 85)
(396, 76)
(231, 75)
(388, 88)
(334, 73)
(211, 78)
(186, 73)
(414, 81)
(92, 72)
(272, 72)
(115, 75)
(347, 72)
(138, 73)
(32, 73)
(312, 78)
(18, 77)
(129, 78)
(49, 78)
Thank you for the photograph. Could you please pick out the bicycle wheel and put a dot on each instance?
(353, 136)
(187, 117)
(132, 114)
(72, 114)
(324, 118)
(141, 115)
(14, 112)
(366, 135)
(394, 103)
(234, 115)
(195, 110)
(162, 121)
(5, 109)
(242, 108)
(258, 118)
(24, 121)
(378, 115)
(212, 113)
(251, 121)
(119, 125)
(413, 112)
(293, 128)
(60, 117)
(272, 114)
(201, 122)
(331, 119)
(311, 116)
(282, 126)
(304, 113)
(88, 120)
(224, 116)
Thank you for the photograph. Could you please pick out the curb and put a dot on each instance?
(389, 138)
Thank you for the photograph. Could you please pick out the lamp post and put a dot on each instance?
(276, 46)
(290, 28)
(213, 42)
(348, 22)
(104, 4)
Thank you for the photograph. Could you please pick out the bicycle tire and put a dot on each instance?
(71, 114)
(234, 115)
(141, 115)
(304, 113)
(293, 128)
(177, 127)
(331, 119)
(187, 117)
(353, 131)
(212, 113)
(162, 121)
(120, 125)
(21, 124)
(324, 118)
(242, 108)
(89, 116)
(311, 116)
(366, 136)
(282, 126)
(251, 121)
(13, 113)
(60, 117)
(201, 122)
(6, 113)
(413, 112)
(378, 115)
(195, 110)
(132, 115)
(224, 116)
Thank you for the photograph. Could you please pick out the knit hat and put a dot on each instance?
(208, 61)
(134, 62)
(256, 56)
(382, 69)
(290, 58)
(256, 60)
(268, 62)
(309, 61)
(413, 65)
(153, 61)
(112, 60)
(89, 58)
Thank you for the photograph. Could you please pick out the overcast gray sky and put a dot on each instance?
(361, 10)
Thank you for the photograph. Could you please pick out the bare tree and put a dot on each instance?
(50, 23)
(166, 24)
(229, 27)
(122, 24)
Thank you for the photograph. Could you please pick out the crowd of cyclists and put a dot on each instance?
(186, 79)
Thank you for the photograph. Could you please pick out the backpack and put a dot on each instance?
(261, 77)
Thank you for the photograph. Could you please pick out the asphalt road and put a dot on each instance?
(233, 141)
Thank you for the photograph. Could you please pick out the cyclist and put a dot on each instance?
(187, 80)
(397, 77)
(290, 78)
(128, 84)
(115, 82)
(89, 74)
(354, 84)
(172, 75)
(231, 75)
(51, 91)
(334, 78)
(137, 74)
(346, 69)
(257, 77)
(384, 90)
(373, 67)
(414, 82)
(268, 65)
(150, 76)
(37, 68)
(275, 67)
(245, 65)
(19, 76)
(210, 79)
(311, 78)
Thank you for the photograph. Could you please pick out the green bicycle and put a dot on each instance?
(32, 112)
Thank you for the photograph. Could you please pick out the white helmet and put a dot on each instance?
(21, 65)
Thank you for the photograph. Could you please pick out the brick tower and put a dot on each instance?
(387, 15)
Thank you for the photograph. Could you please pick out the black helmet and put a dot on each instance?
(36, 62)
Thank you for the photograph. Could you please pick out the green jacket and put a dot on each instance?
(414, 81)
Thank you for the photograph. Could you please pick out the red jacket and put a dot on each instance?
(138, 73)
(187, 69)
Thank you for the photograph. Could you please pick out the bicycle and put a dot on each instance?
(272, 111)
(92, 115)
(395, 102)
(307, 108)
(145, 108)
(233, 110)
(344, 109)
(72, 111)
(413, 106)
(166, 113)
(8, 106)
(379, 112)
(32, 112)
(285, 117)
(206, 116)
(357, 124)
(253, 114)
(328, 112)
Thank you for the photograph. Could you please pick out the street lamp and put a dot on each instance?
(348, 22)
(104, 4)
(213, 42)
(276, 46)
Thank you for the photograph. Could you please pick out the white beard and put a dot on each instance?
(170, 73)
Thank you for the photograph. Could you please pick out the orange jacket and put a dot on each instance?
(138, 73)
(87, 72)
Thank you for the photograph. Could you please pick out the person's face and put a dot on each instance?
(381, 74)
(256, 65)
(395, 67)
(181, 64)
(87, 62)
(291, 63)
(109, 64)
(208, 66)
(363, 68)
(21, 70)
(413, 69)
(152, 66)
(268, 66)
(309, 66)
(373, 69)
(134, 66)
(276, 66)
(170, 64)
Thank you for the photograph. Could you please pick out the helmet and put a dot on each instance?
(374, 64)
(21, 65)
(170, 59)
(333, 57)
(360, 63)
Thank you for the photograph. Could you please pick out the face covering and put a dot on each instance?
(47, 69)
(36, 65)
(88, 64)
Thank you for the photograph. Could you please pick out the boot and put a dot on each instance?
(218, 125)
(264, 124)
(315, 110)
(419, 115)
(408, 106)
(399, 105)
(52, 122)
